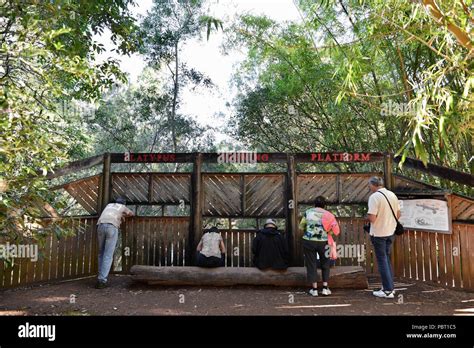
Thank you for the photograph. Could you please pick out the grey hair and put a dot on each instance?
(376, 181)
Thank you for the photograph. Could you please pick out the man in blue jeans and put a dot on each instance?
(107, 233)
(382, 229)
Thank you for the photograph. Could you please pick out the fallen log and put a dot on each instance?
(352, 277)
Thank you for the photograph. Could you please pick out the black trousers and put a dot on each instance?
(209, 262)
(310, 249)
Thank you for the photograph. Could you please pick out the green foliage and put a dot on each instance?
(134, 118)
(46, 55)
(359, 75)
(210, 21)
(293, 107)
(166, 28)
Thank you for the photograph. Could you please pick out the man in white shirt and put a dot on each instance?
(107, 234)
(382, 229)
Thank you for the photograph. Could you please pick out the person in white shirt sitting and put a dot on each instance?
(211, 249)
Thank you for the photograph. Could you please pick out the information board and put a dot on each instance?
(425, 214)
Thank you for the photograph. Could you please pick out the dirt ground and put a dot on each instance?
(124, 297)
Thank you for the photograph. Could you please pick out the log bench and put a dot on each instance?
(350, 277)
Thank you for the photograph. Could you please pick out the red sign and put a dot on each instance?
(247, 157)
(149, 157)
(340, 157)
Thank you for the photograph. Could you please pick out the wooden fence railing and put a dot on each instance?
(158, 241)
(59, 259)
(443, 259)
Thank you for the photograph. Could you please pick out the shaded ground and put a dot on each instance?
(125, 297)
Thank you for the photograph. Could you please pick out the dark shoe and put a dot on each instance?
(100, 285)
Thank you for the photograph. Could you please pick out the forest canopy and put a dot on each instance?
(348, 75)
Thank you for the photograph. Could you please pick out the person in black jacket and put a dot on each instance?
(270, 248)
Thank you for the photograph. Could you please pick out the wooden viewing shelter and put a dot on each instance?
(162, 239)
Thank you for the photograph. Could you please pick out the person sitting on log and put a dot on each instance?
(270, 248)
(318, 226)
(107, 234)
(211, 249)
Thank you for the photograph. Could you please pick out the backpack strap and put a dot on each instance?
(389, 206)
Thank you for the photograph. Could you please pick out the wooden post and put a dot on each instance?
(291, 208)
(387, 170)
(99, 195)
(195, 226)
(105, 183)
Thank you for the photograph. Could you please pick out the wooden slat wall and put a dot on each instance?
(171, 188)
(238, 247)
(355, 241)
(354, 188)
(222, 195)
(131, 186)
(462, 208)
(66, 258)
(439, 258)
(85, 192)
(264, 195)
(337, 188)
(310, 186)
(158, 241)
(402, 183)
(224, 191)
(149, 188)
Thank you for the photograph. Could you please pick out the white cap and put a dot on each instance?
(270, 222)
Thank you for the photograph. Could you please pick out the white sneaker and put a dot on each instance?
(313, 292)
(384, 294)
(326, 292)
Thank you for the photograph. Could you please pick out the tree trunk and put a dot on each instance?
(352, 277)
(175, 99)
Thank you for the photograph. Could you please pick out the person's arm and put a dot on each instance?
(373, 209)
(199, 246)
(332, 248)
(332, 227)
(222, 246)
(336, 230)
(127, 213)
(330, 224)
(302, 224)
(399, 212)
(371, 218)
(330, 239)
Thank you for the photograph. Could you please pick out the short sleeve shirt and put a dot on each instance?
(385, 222)
(113, 213)
(210, 244)
(316, 223)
